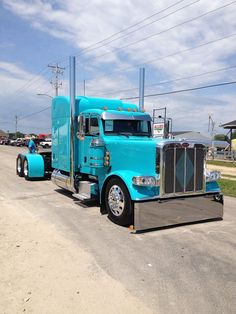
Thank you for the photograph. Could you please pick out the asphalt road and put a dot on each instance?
(186, 269)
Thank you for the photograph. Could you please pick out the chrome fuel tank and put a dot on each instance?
(61, 180)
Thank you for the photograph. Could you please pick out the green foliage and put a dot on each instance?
(234, 135)
(228, 187)
(20, 135)
(221, 137)
(17, 135)
(222, 163)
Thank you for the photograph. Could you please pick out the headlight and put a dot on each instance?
(145, 181)
(212, 175)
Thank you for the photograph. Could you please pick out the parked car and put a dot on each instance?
(20, 142)
(47, 143)
(12, 142)
(6, 141)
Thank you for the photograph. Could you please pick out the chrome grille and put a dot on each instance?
(182, 169)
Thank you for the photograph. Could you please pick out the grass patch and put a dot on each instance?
(228, 176)
(228, 187)
(221, 163)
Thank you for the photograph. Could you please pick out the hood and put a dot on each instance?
(128, 153)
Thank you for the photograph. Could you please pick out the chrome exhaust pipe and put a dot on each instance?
(72, 122)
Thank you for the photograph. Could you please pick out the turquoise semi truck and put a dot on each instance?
(103, 149)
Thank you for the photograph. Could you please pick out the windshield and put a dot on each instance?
(127, 127)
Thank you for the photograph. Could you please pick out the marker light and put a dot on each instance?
(145, 181)
(107, 158)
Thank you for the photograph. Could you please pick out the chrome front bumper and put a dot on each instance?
(174, 211)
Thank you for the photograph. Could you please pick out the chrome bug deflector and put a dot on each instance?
(174, 211)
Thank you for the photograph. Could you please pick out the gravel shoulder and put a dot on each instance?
(42, 272)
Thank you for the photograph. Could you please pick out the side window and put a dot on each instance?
(144, 126)
(91, 126)
(86, 131)
(94, 127)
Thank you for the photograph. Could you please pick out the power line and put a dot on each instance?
(34, 113)
(167, 56)
(165, 82)
(163, 17)
(183, 90)
(145, 38)
(29, 82)
(88, 48)
(163, 31)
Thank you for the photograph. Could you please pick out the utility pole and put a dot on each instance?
(16, 121)
(57, 71)
(211, 129)
(211, 124)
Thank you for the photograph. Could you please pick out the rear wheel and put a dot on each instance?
(19, 166)
(118, 203)
(26, 169)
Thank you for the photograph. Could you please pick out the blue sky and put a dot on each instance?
(37, 32)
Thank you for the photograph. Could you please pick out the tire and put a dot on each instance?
(19, 166)
(118, 203)
(26, 169)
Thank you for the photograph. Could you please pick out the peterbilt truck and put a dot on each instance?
(103, 149)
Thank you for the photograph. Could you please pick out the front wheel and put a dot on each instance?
(118, 203)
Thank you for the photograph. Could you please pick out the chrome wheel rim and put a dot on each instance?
(116, 200)
(26, 168)
(19, 165)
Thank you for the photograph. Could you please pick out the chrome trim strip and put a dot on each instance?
(121, 116)
(174, 176)
(194, 170)
(191, 143)
(161, 167)
(94, 164)
(158, 198)
(96, 158)
(185, 166)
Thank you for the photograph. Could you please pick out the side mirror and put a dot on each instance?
(80, 132)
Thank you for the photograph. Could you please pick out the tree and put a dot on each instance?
(20, 135)
(221, 137)
(233, 135)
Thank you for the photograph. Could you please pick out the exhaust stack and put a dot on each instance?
(72, 120)
(141, 88)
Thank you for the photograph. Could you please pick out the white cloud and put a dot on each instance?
(81, 23)
(18, 94)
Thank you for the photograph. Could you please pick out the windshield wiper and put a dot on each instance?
(142, 134)
(125, 133)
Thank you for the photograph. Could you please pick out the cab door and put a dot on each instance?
(90, 131)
